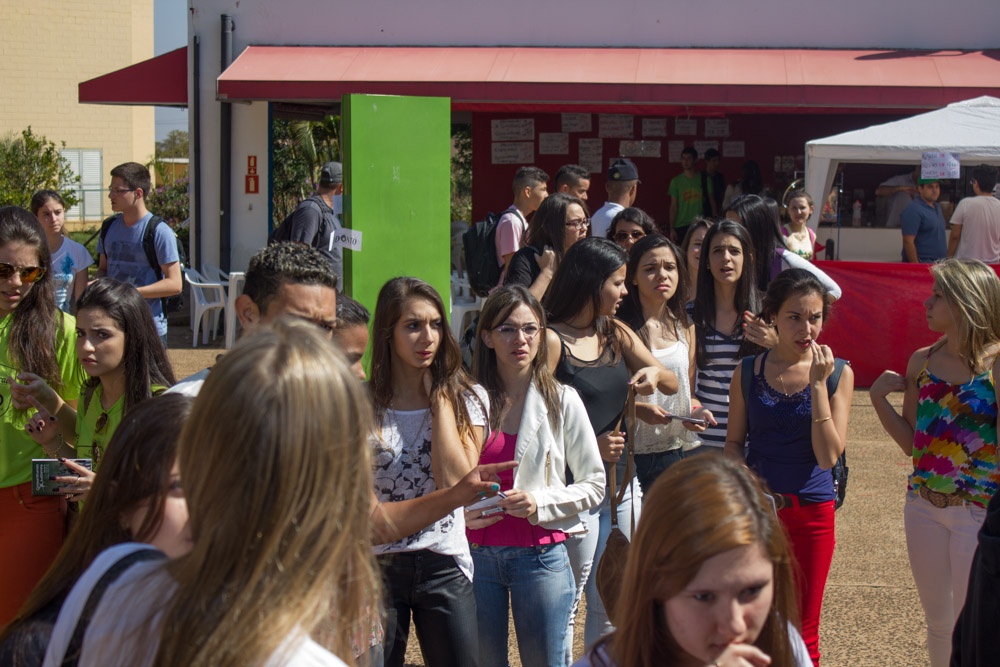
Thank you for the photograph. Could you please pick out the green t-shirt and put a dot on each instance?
(91, 443)
(687, 192)
(16, 446)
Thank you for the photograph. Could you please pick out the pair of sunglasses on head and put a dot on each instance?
(29, 274)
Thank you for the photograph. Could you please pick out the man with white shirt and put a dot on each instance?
(975, 225)
(622, 186)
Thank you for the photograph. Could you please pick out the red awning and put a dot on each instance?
(159, 81)
(521, 78)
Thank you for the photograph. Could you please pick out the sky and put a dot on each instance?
(169, 33)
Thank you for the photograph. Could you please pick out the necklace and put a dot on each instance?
(409, 443)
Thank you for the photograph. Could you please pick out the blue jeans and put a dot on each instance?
(597, 624)
(440, 597)
(581, 548)
(536, 584)
(650, 466)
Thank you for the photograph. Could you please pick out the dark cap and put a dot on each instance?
(711, 153)
(623, 169)
(332, 173)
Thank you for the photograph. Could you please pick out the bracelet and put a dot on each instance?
(59, 443)
(821, 420)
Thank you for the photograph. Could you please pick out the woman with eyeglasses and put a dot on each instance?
(70, 260)
(37, 338)
(602, 358)
(117, 344)
(559, 222)
(522, 568)
(629, 225)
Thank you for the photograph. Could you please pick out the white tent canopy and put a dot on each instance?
(970, 128)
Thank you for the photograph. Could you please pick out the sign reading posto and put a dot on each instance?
(252, 179)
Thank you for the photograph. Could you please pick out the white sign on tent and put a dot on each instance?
(940, 165)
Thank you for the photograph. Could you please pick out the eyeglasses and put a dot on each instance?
(579, 223)
(102, 421)
(509, 331)
(29, 274)
(119, 191)
(622, 237)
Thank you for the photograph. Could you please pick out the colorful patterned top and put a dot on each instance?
(955, 439)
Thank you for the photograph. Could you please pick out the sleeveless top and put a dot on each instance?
(779, 441)
(602, 385)
(655, 438)
(955, 437)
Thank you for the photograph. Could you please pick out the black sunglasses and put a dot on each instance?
(29, 274)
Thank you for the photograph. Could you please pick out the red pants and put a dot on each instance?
(810, 531)
(32, 529)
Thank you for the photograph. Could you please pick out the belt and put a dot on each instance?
(939, 499)
(786, 500)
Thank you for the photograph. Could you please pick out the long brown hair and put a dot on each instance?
(498, 307)
(448, 375)
(31, 344)
(700, 507)
(972, 289)
(135, 472)
(277, 473)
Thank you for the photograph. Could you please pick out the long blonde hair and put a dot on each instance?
(973, 291)
(277, 473)
(700, 507)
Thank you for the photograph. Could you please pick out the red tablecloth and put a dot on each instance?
(880, 321)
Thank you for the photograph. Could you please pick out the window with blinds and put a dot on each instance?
(86, 163)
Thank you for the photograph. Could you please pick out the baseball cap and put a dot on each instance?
(623, 169)
(332, 173)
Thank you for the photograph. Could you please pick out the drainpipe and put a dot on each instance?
(195, 106)
(225, 154)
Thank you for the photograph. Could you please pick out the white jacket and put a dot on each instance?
(543, 455)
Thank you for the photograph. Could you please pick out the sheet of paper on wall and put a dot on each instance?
(338, 204)
(513, 129)
(615, 125)
(654, 127)
(787, 163)
(674, 149)
(686, 127)
(716, 127)
(577, 122)
(513, 152)
(702, 146)
(734, 149)
(349, 239)
(592, 155)
(940, 165)
(553, 143)
(633, 148)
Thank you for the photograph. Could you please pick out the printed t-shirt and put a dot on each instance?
(67, 261)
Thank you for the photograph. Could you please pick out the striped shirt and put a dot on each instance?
(722, 355)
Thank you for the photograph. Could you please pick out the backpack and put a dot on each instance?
(840, 469)
(283, 232)
(479, 243)
(171, 304)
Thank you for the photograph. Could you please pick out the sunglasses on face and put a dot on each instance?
(621, 237)
(29, 274)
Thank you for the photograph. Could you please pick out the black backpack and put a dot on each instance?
(171, 304)
(481, 262)
(840, 469)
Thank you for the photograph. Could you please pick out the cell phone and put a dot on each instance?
(486, 503)
(690, 420)
(491, 512)
(43, 469)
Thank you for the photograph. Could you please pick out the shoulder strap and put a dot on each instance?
(628, 413)
(149, 245)
(72, 656)
(88, 394)
(105, 227)
(834, 379)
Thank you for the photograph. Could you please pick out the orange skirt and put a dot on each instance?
(32, 529)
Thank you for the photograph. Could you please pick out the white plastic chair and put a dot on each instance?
(207, 298)
(214, 274)
(236, 281)
(465, 305)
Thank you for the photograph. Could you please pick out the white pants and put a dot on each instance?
(941, 542)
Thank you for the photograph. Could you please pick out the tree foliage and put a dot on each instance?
(461, 172)
(29, 163)
(175, 144)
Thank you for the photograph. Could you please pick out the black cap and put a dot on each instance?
(623, 169)
(332, 173)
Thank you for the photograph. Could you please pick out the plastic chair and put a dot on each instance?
(236, 281)
(215, 274)
(465, 305)
(207, 298)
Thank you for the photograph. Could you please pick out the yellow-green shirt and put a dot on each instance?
(16, 446)
(91, 443)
